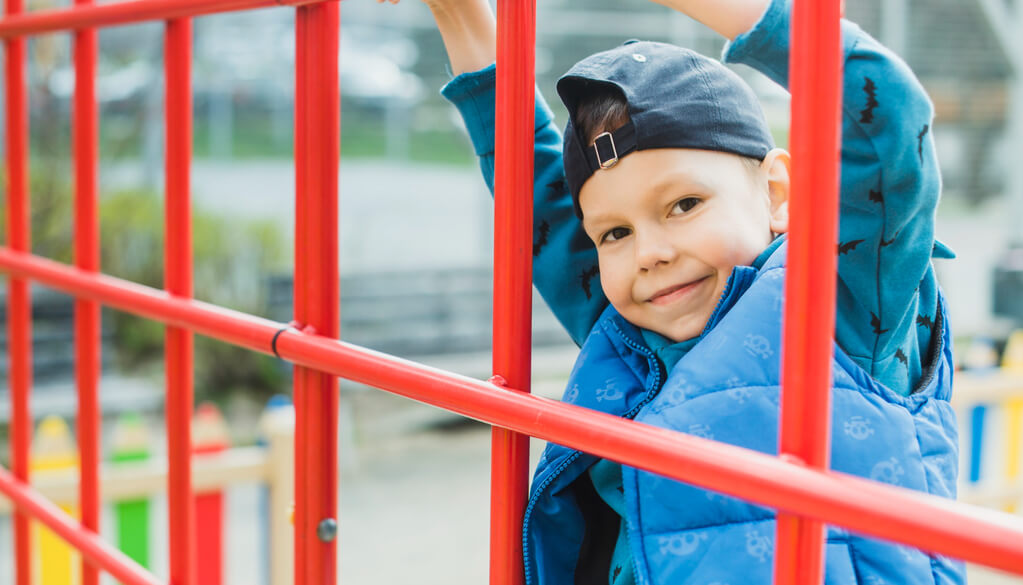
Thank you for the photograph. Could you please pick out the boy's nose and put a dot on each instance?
(652, 250)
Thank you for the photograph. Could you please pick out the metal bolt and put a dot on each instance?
(326, 530)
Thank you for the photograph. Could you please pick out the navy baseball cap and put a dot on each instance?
(676, 98)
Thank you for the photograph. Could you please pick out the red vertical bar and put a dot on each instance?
(209, 539)
(513, 262)
(19, 302)
(317, 303)
(810, 281)
(86, 256)
(210, 436)
(178, 282)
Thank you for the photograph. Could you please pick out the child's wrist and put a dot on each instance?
(461, 14)
(469, 33)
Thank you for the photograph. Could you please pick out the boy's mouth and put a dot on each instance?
(674, 293)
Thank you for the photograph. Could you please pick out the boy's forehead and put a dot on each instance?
(641, 177)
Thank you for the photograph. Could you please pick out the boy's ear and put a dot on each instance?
(777, 166)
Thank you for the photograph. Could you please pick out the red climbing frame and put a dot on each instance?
(797, 483)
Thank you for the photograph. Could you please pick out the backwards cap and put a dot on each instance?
(676, 99)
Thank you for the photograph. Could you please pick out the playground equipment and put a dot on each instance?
(133, 477)
(210, 438)
(989, 405)
(54, 450)
(988, 408)
(131, 445)
(796, 483)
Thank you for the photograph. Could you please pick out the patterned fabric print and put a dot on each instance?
(686, 557)
(890, 188)
(553, 528)
(685, 534)
(720, 393)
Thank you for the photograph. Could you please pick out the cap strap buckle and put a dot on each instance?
(607, 153)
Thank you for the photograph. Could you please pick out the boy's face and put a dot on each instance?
(670, 224)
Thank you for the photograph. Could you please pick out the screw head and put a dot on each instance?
(326, 530)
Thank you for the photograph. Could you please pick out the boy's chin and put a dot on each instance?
(682, 331)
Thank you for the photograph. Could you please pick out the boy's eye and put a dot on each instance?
(615, 234)
(684, 205)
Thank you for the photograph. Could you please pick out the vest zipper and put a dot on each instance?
(532, 502)
(658, 368)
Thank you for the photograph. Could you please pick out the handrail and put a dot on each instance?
(120, 13)
(90, 544)
(898, 514)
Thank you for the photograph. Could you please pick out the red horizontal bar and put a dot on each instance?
(933, 524)
(102, 15)
(88, 543)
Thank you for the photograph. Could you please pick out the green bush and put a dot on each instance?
(231, 259)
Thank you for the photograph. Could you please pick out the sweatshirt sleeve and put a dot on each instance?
(890, 184)
(564, 260)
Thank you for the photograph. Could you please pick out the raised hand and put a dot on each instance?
(468, 29)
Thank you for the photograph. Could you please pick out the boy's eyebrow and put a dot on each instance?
(678, 180)
(596, 219)
(595, 224)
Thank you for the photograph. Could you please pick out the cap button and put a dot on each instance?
(630, 41)
(639, 57)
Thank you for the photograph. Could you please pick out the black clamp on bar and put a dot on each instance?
(273, 342)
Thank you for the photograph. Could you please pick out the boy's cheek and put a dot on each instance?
(609, 285)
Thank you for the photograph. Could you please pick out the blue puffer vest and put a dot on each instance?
(727, 388)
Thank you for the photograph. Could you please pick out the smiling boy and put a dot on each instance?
(668, 184)
(664, 259)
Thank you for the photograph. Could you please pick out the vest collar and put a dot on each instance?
(739, 281)
(668, 352)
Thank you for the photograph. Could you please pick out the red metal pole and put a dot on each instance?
(116, 13)
(178, 282)
(19, 301)
(933, 524)
(93, 548)
(513, 237)
(210, 437)
(86, 256)
(810, 280)
(316, 294)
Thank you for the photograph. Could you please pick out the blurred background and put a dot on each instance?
(415, 234)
